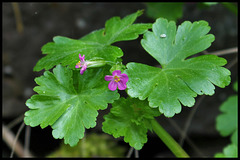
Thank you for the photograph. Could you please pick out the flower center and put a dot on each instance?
(116, 79)
(78, 63)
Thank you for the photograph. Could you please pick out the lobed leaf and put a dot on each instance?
(94, 45)
(227, 121)
(181, 78)
(230, 151)
(69, 102)
(130, 118)
(226, 124)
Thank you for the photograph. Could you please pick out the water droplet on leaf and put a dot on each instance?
(163, 35)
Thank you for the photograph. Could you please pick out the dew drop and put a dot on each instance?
(43, 91)
(163, 35)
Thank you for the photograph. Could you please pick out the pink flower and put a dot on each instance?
(117, 80)
(82, 63)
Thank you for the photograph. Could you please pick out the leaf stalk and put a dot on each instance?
(176, 149)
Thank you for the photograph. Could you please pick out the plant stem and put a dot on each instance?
(168, 140)
(18, 17)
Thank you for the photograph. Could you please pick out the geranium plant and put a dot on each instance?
(88, 72)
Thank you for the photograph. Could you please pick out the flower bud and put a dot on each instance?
(95, 63)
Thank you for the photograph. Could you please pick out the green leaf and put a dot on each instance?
(234, 137)
(181, 77)
(231, 6)
(227, 124)
(230, 151)
(219, 155)
(69, 102)
(94, 45)
(130, 118)
(159, 9)
(118, 30)
(227, 121)
(210, 3)
(235, 86)
(118, 66)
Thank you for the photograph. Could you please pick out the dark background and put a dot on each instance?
(43, 21)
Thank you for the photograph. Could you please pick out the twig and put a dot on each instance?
(18, 18)
(225, 51)
(205, 52)
(15, 121)
(136, 153)
(195, 148)
(130, 152)
(10, 139)
(232, 63)
(16, 138)
(27, 141)
(189, 120)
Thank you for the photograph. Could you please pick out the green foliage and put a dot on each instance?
(94, 45)
(226, 124)
(69, 102)
(206, 5)
(181, 77)
(233, 7)
(235, 86)
(227, 121)
(210, 3)
(118, 66)
(230, 151)
(130, 118)
(88, 148)
(170, 11)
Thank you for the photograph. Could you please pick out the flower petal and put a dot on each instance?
(83, 69)
(116, 73)
(77, 66)
(82, 58)
(112, 85)
(121, 85)
(124, 77)
(108, 78)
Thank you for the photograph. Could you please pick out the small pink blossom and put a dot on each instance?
(82, 63)
(117, 80)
